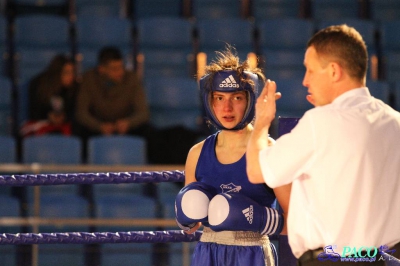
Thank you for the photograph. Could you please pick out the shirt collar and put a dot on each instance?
(363, 91)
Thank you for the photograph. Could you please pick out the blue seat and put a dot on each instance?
(293, 102)
(96, 32)
(323, 9)
(52, 149)
(390, 47)
(396, 94)
(157, 8)
(176, 253)
(125, 206)
(285, 33)
(283, 43)
(100, 9)
(63, 206)
(275, 9)
(380, 90)
(40, 3)
(210, 9)
(32, 61)
(61, 255)
(167, 46)
(131, 253)
(213, 34)
(109, 150)
(284, 64)
(173, 101)
(384, 10)
(38, 38)
(42, 31)
(3, 41)
(10, 207)
(5, 106)
(167, 192)
(8, 254)
(8, 149)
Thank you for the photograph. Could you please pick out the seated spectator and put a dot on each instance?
(111, 99)
(51, 99)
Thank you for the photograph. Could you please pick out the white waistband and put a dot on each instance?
(237, 238)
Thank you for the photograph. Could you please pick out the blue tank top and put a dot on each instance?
(229, 177)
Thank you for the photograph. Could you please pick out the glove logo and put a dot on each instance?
(248, 213)
(226, 188)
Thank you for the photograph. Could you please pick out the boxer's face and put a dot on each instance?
(317, 79)
(113, 70)
(229, 107)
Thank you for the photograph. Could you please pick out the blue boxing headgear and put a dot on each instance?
(229, 81)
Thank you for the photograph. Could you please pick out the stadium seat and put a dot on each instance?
(117, 150)
(282, 43)
(5, 106)
(52, 149)
(8, 149)
(380, 90)
(293, 102)
(396, 94)
(390, 47)
(125, 206)
(157, 8)
(174, 101)
(38, 38)
(4, 53)
(324, 9)
(210, 9)
(100, 9)
(9, 208)
(384, 10)
(213, 34)
(272, 9)
(42, 31)
(166, 44)
(121, 255)
(96, 32)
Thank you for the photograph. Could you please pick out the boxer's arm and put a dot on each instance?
(191, 163)
(283, 196)
(190, 169)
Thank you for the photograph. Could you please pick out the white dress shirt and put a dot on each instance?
(343, 160)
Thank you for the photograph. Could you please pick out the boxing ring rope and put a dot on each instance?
(154, 176)
(98, 237)
(91, 178)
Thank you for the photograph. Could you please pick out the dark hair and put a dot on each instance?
(55, 67)
(107, 54)
(344, 45)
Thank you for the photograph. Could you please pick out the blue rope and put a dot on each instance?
(92, 178)
(99, 238)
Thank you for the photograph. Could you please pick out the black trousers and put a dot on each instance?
(310, 258)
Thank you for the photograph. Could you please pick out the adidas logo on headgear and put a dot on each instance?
(248, 213)
(229, 82)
